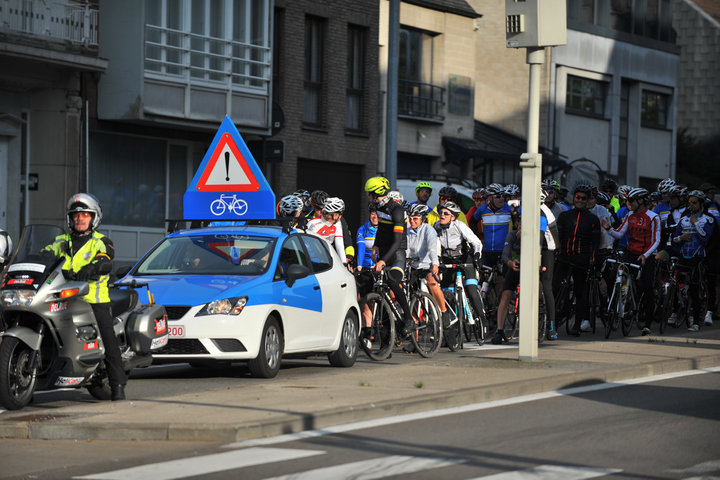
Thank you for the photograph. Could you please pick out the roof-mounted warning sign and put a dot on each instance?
(228, 185)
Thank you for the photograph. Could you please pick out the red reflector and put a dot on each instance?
(91, 345)
(27, 281)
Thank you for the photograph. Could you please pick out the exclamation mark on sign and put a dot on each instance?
(227, 166)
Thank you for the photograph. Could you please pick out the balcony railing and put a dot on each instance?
(58, 21)
(421, 100)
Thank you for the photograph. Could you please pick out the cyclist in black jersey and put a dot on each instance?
(390, 242)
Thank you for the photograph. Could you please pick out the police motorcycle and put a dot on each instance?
(52, 339)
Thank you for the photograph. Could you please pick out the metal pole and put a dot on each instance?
(530, 235)
(392, 93)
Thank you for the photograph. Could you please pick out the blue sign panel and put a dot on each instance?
(228, 185)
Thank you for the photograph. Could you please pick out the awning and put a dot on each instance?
(492, 144)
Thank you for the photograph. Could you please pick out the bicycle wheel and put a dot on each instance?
(683, 308)
(378, 346)
(542, 318)
(612, 318)
(667, 309)
(426, 314)
(482, 328)
(453, 332)
(490, 300)
(512, 319)
(629, 314)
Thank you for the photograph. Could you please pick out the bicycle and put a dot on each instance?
(513, 316)
(683, 275)
(666, 288)
(622, 307)
(387, 319)
(463, 315)
(425, 311)
(488, 289)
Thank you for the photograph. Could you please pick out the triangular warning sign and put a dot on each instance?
(227, 170)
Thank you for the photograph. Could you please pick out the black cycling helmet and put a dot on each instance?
(603, 199)
(317, 198)
(583, 187)
(609, 185)
(447, 192)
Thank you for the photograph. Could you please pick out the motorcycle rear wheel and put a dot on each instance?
(17, 381)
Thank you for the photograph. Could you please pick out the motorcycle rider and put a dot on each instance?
(88, 256)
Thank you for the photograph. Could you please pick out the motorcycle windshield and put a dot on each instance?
(32, 259)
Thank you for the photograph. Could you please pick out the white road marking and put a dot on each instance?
(373, 468)
(704, 467)
(552, 472)
(203, 465)
(380, 422)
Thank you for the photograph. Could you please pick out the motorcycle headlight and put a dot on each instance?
(225, 306)
(17, 298)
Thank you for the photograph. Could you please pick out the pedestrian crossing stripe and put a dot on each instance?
(369, 469)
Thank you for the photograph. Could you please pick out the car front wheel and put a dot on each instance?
(347, 352)
(267, 363)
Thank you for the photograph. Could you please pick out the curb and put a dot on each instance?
(293, 423)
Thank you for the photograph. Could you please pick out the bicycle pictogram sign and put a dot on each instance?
(238, 206)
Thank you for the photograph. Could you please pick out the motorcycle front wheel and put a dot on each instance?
(17, 379)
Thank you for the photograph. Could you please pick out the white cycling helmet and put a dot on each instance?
(84, 202)
(290, 205)
(395, 195)
(333, 205)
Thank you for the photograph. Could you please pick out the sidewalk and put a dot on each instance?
(339, 396)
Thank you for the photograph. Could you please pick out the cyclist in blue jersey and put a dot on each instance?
(713, 257)
(691, 235)
(496, 217)
(366, 239)
(664, 188)
(423, 190)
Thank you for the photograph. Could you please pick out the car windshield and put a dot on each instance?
(208, 254)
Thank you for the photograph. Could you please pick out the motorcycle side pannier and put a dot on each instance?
(147, 329)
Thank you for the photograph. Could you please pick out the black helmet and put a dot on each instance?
(447, 192)
(583, 187)
(609, 185)
(317, 198)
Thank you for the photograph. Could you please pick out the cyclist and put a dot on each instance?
(366, 239)
(328, 227)
(390, 243)
(512, 197)
(479, 198)
(692, 234)
(291, 206)
(549, 240)
(579, 232)
(551, 188)
(422, 248)
(423, 190)
(664, 188)
(643, 228)
(456, 240)
(304, 196)
(446, 194)
(317, 199)
(609, 187)
(496, 218)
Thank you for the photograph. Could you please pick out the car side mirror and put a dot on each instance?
(296, 272)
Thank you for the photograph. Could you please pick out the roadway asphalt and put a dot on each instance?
(340, 396)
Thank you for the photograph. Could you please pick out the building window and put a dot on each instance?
(314, 70)
(417, 96)
(654, 111)
(646, 18)
(355, 105)
(586, 96)
(221, 43)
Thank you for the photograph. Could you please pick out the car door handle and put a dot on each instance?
(343, 285)
(316, 287)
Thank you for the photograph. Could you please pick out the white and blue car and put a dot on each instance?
(251, 293)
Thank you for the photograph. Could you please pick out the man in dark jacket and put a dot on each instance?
(579, 232)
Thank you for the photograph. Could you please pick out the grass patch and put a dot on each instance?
(419, 384)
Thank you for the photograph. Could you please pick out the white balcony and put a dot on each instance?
(73, 22)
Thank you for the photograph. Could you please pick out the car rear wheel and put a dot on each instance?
(347, 352)
(267, 363)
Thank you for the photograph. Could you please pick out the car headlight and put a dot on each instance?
(17, 298)
(225, 306)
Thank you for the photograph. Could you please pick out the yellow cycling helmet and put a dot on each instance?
(377, 185)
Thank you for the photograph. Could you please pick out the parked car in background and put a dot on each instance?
(406, 186)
